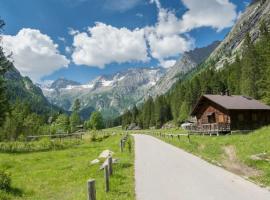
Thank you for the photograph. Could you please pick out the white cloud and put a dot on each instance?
(120, 5)
(166, 37)
(104, 44)
(168, 46)
(72, 31)
(167, 63)
(34, 54)
(62, 39)
(68, 49)
(140, 15)
(218, 14)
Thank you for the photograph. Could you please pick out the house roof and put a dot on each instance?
(233, 103)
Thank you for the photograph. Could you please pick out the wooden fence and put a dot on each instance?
(57, 136)
(108, 172)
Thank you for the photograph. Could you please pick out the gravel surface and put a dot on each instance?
(164, 172)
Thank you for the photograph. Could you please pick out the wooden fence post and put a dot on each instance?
(107, 178)
(91, 194)
(121, 145)
(110, 164)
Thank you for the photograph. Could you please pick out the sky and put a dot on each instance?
(82, 39)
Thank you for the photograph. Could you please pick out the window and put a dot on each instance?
(254, 117)
(211, 118)
(221, 119)
(240, 117)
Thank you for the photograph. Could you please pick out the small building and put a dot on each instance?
(225, 113)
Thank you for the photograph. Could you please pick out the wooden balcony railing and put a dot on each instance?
(210, 128)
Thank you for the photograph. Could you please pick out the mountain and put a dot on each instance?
(248, 22)
(109, 94)
(63, 83)
(248, 75)
(113, 94)
(22, 89)
(189, 61)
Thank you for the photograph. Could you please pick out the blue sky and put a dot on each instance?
(60, 38)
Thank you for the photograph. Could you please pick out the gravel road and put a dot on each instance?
(164, 172)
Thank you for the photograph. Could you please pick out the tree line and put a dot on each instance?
(248, 75)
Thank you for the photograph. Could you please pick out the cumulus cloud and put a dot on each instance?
(104, 44)
(167, 63)
(168, 46)
(34, 54)
(166, 39)
(218, 14)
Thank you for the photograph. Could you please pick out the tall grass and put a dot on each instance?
(44, 144)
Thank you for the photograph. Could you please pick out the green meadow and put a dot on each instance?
(63, 174)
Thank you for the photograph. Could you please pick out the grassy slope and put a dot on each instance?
(63, 174)
(245, 145)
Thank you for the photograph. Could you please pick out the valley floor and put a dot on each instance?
(63, 174)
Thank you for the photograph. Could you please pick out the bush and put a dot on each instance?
(5, 180)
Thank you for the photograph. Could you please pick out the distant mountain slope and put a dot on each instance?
(63, 83)
(248, 22)
(185, 64)
(109, 94)
(115, 93)
(22, 89)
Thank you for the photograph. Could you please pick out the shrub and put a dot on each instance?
(5, 180)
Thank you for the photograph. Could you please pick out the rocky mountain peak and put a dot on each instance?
(63, 83)
(185, 64)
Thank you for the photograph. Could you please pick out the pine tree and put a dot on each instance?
(76, 106)
(75, 119)
(135, 114)
(250, 69)
(4, 65)
(62, 123)
(96, 121)
(148, 115)
(263, 48)
(126, 119)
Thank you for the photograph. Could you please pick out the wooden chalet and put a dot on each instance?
(225, 113)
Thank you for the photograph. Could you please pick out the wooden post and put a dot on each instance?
(121, 145)
(91, 188)
(110, 164)
(107, 178)
(188, 138)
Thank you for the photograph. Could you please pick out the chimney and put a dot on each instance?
(227, 93)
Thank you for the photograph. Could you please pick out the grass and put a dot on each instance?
(213, 148)
(63, 174)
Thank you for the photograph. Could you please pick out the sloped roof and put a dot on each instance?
(233, 102)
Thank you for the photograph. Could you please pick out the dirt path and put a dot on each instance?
(164, 172)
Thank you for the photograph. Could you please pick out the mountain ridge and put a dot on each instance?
(113, 94)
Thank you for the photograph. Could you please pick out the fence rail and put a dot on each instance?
(214, 128)
(70, 135)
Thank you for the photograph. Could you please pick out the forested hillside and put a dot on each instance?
(249, 75)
